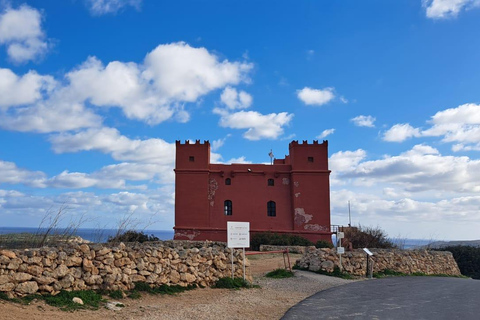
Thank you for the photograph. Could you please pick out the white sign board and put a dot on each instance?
(238, 234)
(340, 250)
(340, 235)
(368, 251)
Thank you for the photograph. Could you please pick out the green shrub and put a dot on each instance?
(467, 258)
(63, 300)
(323, 244)
(132, 236)
(117, 294)
(279, 274)
(367, 237)
(163, 289)
(229, 283)
(335, 273)
(275, 239)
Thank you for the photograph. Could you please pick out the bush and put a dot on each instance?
(229, 283)
(63, 300)
(133, 236)
(279, 274)
(163, 289)
(323, 244)
(367, 237)
(275, 239)
(467, 258)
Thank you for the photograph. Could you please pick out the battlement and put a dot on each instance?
(305, 142)
(187, 142)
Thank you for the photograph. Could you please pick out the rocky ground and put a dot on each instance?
(270, 301)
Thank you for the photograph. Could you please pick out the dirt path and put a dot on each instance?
(270, 301)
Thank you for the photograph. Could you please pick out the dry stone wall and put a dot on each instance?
(114, 267)
(405, 261)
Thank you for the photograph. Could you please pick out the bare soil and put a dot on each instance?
(270, 301)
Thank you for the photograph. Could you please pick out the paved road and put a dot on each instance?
(394, 298)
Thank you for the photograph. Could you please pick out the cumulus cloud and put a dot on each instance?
(120, 147)
(49, 116)
(184, 73)
(157, 90)
(316, 97)
(104, 210)
(259, 126)
(22, 90)
(101, 7)
(364, 121)
(401, 132)
(11, 174)
(235, 100)
(442, 9)
(420, 169)
(345, 161)
(325, 133)
(21, 32)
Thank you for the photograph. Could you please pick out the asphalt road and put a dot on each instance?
(394, 298)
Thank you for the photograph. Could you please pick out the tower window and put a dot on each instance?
(310, 159)
(227, 207)
(228, 181)
(191, 158)
(271, 182)
(271, 209)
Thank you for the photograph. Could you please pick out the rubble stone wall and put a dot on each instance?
(114, 267)
(405, 261)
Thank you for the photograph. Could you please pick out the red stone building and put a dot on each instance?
(290, 196)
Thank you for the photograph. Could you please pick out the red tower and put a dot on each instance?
(290, 196)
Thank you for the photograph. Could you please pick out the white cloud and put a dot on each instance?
(172, 75)
(461, 125)
(21, 32)
(49, 116)
(184, 73)
(110, 141)
(100, 7)
(441, 9)
(21, 90)
(343, 161)
(259, 126)
(401, 132)
(317, 97)
(217, 144)
(325, 133)
(11, 174)
(235, 100)
(364, 121)
(420, 169)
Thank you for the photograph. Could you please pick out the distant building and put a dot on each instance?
(290, 196)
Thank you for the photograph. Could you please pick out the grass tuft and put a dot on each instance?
(280, 274)
(63, 300)
(229, 283)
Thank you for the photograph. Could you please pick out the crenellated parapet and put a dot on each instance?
(187, 142)
(305, 142)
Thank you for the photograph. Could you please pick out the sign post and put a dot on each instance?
(238, 236)
(340, 249)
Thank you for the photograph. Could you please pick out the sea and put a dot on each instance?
(90, 234)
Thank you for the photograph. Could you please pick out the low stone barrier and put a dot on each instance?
(405, 261)
(291, 249)
(114, 267)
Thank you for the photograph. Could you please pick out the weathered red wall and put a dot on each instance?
(301, 193)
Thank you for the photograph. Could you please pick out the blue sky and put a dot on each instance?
(94, 93)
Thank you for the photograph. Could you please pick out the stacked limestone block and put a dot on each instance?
(405, 261)
(95, 266)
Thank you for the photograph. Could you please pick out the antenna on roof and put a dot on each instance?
(270, 154)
